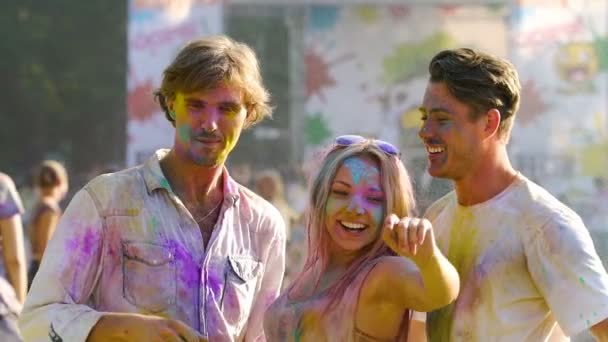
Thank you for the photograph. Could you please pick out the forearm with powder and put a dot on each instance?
(440, 278)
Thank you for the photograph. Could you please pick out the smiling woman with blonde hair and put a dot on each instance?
(370, 262)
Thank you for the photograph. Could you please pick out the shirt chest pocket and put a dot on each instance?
(241, 275)
(149, 275)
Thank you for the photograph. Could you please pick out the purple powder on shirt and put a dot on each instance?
(189, 272)
(214, 282)
(84, 243)
(82, 248)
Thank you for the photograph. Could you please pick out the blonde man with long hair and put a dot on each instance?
(369, 262)
(174, 249)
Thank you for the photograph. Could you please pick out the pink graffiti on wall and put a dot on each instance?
(317, 72)
(140, 102)
(549, 34)
(154, 39)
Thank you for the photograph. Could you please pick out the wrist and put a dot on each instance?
(427, 259)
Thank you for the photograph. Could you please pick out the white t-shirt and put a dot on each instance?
(525, 261)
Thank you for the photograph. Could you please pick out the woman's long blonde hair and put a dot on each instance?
(399, 200)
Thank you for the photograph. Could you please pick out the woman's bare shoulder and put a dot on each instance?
(389, 272)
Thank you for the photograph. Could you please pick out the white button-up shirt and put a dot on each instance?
(126, 243)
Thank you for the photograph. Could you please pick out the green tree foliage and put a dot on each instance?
(64, 85)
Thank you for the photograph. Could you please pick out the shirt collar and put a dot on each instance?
(155, 179)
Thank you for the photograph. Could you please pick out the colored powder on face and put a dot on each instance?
(357, 204)
(581, 280)
(332, 206)
(360, 170)
(377, 214)
(183, 133)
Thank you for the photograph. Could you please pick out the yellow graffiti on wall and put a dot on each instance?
(577, 64)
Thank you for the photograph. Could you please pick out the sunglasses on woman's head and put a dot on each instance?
(386, 147)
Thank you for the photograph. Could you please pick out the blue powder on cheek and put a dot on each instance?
(183, 133)
(377, 213)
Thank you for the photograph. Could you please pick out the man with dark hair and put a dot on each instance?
(525, 260)
(174, 249)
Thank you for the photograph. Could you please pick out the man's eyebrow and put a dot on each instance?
(230, 103)
(235, 103)
(423, 110)
(193, 100)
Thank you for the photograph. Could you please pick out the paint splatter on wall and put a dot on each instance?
(560, 138)
(380, 78)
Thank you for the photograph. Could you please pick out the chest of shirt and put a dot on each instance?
(485, 247)
(156, 259)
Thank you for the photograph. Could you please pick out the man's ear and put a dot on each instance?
(170, 102)
(492, 122)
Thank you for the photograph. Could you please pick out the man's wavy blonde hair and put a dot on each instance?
(207, 62)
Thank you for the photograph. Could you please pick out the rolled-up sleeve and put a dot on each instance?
(58, 302)
(270, 288)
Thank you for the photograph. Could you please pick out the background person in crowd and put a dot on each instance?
(51, 182)
(269, 184)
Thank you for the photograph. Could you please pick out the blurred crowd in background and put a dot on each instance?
(79, 78)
